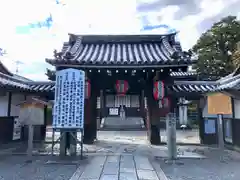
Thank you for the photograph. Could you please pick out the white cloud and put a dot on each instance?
(81, 16)
(29, 48)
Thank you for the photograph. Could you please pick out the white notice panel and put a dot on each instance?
(69, 99)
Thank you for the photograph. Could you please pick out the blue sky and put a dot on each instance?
(29, 38)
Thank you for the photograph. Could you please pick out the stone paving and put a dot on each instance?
(126, 167)
(123, 156)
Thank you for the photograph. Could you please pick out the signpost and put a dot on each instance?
(219, 104)
(171, 136)
(68, 113)
(31, 113)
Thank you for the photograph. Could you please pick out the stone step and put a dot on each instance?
(117, 128)
(116, 123)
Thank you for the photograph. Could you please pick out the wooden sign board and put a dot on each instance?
(219, 103)
(32, 111)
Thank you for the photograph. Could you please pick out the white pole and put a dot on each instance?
(171, 136)
(220, 131)
(30, 140)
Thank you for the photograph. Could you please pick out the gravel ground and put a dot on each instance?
(17, 168)
(219, 165)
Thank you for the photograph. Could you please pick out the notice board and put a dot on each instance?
(219, 103)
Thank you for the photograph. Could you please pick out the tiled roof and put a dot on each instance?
(193, 86)
(183, 74)
(229, 82)
(119, 50)
(179, 86)
(47, 86)
(10, 81)
(25, 85)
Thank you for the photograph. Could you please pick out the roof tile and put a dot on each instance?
(119, 51)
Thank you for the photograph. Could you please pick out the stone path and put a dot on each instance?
(125, 156)
(123, 167)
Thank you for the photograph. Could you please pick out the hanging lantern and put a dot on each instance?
(87, 89)
(158, 90)
(122, 87)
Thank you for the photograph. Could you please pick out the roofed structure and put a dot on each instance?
(8, 81)
(193, 86)
(24, 84)
(178, 86)
(230, 82)
(126, 51)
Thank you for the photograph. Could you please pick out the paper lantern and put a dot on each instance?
(87, 89)
(158, 90)
(122, 87)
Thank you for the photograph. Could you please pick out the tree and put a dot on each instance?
(236, 56)
(215, 48)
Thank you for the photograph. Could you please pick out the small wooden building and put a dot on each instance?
(230, 85)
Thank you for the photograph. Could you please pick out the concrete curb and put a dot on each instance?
(161, 175)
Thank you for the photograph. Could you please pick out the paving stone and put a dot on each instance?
(142, 163)
(98, 160)
(111, 168)
(147, 175)
(127, 164)
(77, 174)
(94, 169)
(159, 170)
(128, 176)
(91, 173)
(109, 177)
(126, 158)
(127, 170)
(113, 159)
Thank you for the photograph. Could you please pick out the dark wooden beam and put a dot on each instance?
(120, 70)
(9, 103)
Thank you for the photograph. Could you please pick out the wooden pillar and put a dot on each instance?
(233, 121)
(200, 120)
(94, 116)
(152, 110)
(90, 115)
(142, 107)
(102, 104)
(9, 103)
(87, 121)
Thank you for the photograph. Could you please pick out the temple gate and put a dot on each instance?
(124, 67)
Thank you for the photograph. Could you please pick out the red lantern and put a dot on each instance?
(122, 87)
(87, 89)
(158, 90)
